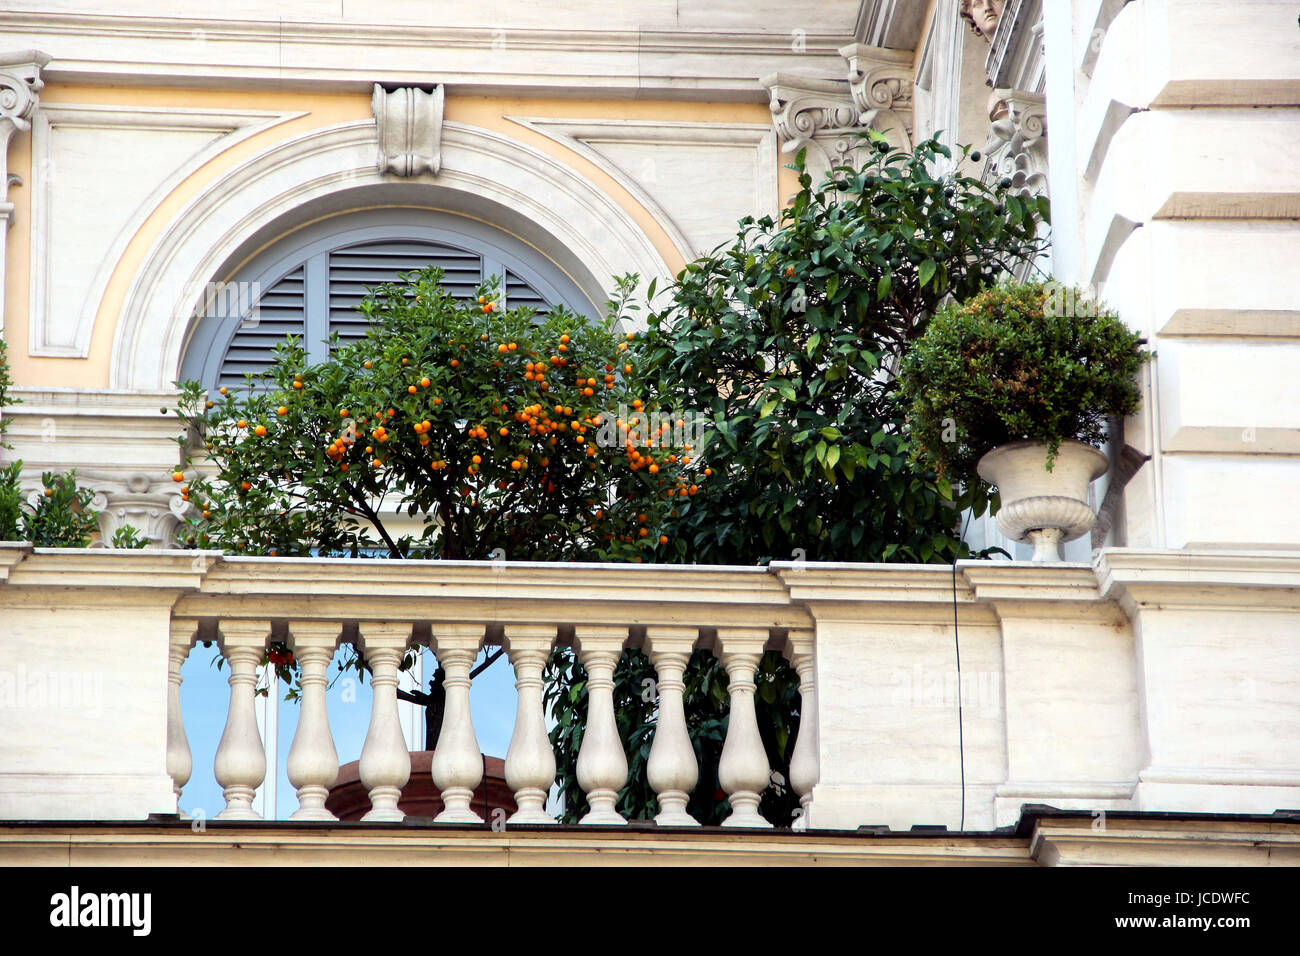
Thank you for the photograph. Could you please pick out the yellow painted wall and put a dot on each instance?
(321, 110)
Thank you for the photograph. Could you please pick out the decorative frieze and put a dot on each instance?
(409, 123)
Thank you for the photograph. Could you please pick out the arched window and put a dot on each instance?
(309, 284)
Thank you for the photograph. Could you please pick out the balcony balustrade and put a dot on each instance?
(1147, 681)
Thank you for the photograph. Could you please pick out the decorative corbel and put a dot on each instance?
(409, 123)
(20, 87)
(1017, 144)
(815, 113)
(881, 82)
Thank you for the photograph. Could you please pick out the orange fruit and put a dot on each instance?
(367, 365)
(503, 432)
(246, 485)
(512, 346)
(412, 389)
(282, 410)
(663, 539)
(177, 476)
(259, 431)
(297, 385)
(425, 382)
(222, 390)
(455, 363)
(344, 413)
(241, 424)
(516, 465)
(564, 340)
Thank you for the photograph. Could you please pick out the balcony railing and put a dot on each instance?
(1098, 687)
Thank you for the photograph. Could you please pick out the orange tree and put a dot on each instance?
(499, 428)
(504, 432)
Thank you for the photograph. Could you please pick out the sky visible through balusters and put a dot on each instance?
(205, 697)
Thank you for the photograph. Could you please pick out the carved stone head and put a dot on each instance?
(983, 16)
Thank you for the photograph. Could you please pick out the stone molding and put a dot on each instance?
(409, 123)
(478, 166)
(227, 127)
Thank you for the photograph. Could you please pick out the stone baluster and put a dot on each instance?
(530, 760)
(240, 766)
(180, 764)
(672, 769)
(805, 762)
(385, 762)
(743, 771)
(313, 764)
(457, 765)
(602, 762)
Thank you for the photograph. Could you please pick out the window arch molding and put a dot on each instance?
(311, 250)
(485, 175)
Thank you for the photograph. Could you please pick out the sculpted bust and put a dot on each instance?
(983, 16)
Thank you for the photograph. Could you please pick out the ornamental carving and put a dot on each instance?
(828, 116)
(20, 87)
(1017, 143)
(882, 82)
(983, 16)
(817, 114)
(409, 124)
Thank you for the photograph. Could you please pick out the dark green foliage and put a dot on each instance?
(787, 341)
(1010, 363)
(63, 517)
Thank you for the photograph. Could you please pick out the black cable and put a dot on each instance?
(961, 731)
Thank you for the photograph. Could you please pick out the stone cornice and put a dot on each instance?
(289, 54)
(1260, 580)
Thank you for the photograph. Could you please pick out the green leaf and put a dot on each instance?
(926, 272)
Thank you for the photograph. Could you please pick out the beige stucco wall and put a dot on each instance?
(319, 111)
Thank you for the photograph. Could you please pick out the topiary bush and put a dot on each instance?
(1010, 364)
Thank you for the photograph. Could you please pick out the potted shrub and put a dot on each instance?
(1013, 387)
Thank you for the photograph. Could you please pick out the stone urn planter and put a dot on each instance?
(1044, 508)
(348, 799)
